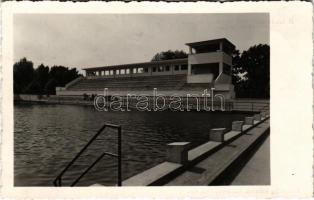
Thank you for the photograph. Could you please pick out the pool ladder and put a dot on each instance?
(58, 179)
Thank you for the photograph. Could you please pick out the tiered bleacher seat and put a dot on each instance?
(165, 82)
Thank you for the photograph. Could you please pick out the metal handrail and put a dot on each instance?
(58, 180)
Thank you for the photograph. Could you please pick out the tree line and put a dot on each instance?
(42, 80)
(251, 72)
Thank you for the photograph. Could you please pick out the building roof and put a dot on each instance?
(207, 42)
(143, 64)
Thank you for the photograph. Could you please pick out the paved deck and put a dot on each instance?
(150, 175)
(257, 169)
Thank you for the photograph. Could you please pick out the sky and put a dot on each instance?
(92, 40)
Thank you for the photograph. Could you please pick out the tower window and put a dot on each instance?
(226, 69)
(208, 68)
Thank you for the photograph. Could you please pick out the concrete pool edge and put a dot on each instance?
(171, 173)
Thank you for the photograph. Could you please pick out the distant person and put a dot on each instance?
(85, 97)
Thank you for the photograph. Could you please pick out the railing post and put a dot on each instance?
(249, 121)
(177, 152)
(119, 158)
(257, 117)
(237, 126)
(217, 134)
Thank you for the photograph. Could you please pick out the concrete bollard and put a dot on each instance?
(217, 134)
(248, 120)
(177, 152)
(237, 125)
(257, 117)
(267, 114)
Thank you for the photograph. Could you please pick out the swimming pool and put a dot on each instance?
(47, 137)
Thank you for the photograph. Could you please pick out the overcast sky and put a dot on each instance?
(90, 40)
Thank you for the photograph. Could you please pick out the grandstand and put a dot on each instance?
(208, 66)
(131, 83)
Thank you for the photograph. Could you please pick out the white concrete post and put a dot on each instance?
(220, 66)
(267, 113)
(237, 125)
(177, 152)
(257, 117)
(217, 134)
(220, 46)
(248, 120)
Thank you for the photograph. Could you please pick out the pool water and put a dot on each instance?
(47, 137)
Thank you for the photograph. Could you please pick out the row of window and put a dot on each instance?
(138, 70)
(167, 68)
(111, 72)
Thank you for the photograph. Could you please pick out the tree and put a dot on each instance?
(41, 80)
(33, 88)
(42, 76)
(50, 87)
(251, 72)
(63, 75)
(23, 74)
(168, 55)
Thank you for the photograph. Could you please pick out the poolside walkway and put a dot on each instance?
(257, 169)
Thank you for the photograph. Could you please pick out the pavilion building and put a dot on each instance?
(208, 65)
